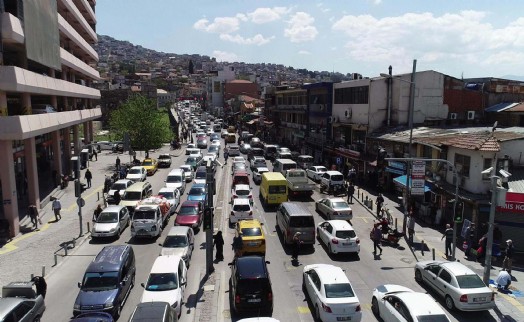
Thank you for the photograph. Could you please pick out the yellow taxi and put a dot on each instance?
(151, 165)
(253, 239)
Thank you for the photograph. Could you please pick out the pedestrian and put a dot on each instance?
(218, 241)
(481, 251)
(117, 163)
(448, 234)
(503, 280)
(238, 244)
(95, 154)
(116, 197)
(351, 191)
(379, 202)
(33, 214)
(470, 237)
(57, 206)
(226, 154)
(508, 259)
(297, 242)
(88, 176)
(411, 228)
(376, 236)
(40, 284)
(97, 212)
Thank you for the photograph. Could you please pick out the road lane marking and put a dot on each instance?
(303, 310)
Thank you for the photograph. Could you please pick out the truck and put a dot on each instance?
(150, 217)
(298, 184)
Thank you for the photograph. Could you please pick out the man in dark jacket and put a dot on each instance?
(351, 191)
(508, 259)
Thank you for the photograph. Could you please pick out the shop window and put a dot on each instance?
(462, 163)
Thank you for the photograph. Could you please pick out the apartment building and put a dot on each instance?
(47, 64)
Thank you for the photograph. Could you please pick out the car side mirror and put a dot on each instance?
(268, 262)
(143, 285)
(79, 285)
(230, 264)
(159, 244)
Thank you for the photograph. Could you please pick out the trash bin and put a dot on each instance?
(75, 167)
(84, 157)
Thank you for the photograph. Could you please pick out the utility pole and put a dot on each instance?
(80, 203)
(410, 122)
(208, 216)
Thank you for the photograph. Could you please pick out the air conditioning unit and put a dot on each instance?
(471, 115)
(348, 113)
(452, 116)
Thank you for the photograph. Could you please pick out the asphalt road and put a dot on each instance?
(364, 271)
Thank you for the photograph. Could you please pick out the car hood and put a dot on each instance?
(128, 203)
(134, 176)
(187, 219)
(175, 251)
(96, 298)
(104, 227)
(200, 181)
(160, 296)
(173, 185)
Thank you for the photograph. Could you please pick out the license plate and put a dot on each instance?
(344, 318)
(252, 244)
(347, 244)
(254, 300)
(479, 299)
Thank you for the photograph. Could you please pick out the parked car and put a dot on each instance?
(111, 222)
(179, 241)
(330, 180)
(190, 214)
(315, 172)
(137, 173)
(396, 303)
(331, 294)
(257, 174)
(334, 208)
(339, 237)
(460, 286)
(120, 186)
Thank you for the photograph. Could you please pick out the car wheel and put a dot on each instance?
(316, 207)
(449, 303)
(36, 319)
(418, 276)
(118, 311)
(118, 233)
(304, 290)
(374, 307)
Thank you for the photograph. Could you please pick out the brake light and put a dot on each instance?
(463, 298)
(358, 241)
(326, 308)
(237, 299)
(358, 308)
(334, 241)
(270, 296)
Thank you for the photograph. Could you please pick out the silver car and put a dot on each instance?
(334, 208)
(188, 172)
(111, 222)
(180, 242)
(172, 195)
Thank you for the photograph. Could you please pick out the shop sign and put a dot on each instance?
(515, 207)
(397, 165)
(418, 178)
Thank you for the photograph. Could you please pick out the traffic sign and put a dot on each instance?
(80, 202)
(418, 177)
(339, 160)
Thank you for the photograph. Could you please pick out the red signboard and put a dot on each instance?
(514, 203)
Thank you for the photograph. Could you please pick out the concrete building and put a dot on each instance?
(46, 64)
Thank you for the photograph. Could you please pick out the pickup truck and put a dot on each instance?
(299, 184)
(150, 217)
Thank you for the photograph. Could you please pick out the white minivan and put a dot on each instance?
(176, 179)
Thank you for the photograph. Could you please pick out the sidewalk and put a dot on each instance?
(509, 305)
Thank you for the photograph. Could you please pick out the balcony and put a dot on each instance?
(82, 25)
(85, 8)
(75, 37)
(72, 62)
(12, 31)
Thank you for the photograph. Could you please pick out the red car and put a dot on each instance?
(190, 214)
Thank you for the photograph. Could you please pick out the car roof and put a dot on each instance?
(331, 172)
(241, 201)
(329, 274)
(336, 199)
(339, 224)
(190, 203)
(113, 208)
(420, 303)
(175, 171)
(149, 310)
(241, 187)
(249, 223)
(166, 189)
(166, 263)
(9, 303)
(458, 268)
(252, 266)
(198, 185)
(178, 230)
(318, 166)
(137, 167)
(108, 259)
(123, 181)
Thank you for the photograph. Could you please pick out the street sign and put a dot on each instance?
(339, 160)
(80, 202)
(418, 177)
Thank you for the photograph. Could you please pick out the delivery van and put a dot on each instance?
(273, 188)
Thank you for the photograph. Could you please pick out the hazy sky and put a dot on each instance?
(469, 38)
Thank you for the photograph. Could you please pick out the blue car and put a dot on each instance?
(93, 317)
(198, 192)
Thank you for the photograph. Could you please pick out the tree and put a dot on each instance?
(147, 127)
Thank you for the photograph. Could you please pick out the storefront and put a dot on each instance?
(510, 219)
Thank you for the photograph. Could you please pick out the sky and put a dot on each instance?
(460, 38)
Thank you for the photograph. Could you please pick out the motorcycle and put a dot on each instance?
(64, 182)
(393, 236)
(336, 189)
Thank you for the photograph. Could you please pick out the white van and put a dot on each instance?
(176, 179)
(282, 165)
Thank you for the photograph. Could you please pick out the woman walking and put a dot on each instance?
(296, 246)
(218, 241)
(376, 234)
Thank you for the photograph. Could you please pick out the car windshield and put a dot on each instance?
(321, 169)
(213, 148)
(164, 157)
(175, 241)
(285, 150)
(277, 189)
(301, 221)
(147, 163)
(191, 160)
(305, 159)
(340, 205)
(118, 186)
(132, 195)
(432, 318)
(200, 175)
(249, 232)
(107, 217)
(470, 281)
(144, 214)
(167, 194)
(100, 281)
(162, 282)
(337, 177)
(196, 191)
(252, 285)
(135, 171)
(339, 290)
(241, 192)
(188, 211)
(241, 208)
(345, 234)
(173, 179)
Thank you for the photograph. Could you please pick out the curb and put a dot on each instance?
(208, 310)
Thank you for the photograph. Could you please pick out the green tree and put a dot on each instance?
(147, 126)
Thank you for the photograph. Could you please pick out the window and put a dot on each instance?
(352, 95)
(462, 163)
(445, 276)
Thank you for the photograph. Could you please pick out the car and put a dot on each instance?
(330, 179)
(120, 186)
(137, 173)
(42, 109)
(209, 131)
(244, 148)
(255, 152)
(93, 317)
(190, 151)
(233, 150)
(253, 238)
(334, 208)
(118, 146)
(164, 160)
(209, 156)
(259, 319)
(153, 311)
(241, 209)
(214, 136)
(214, 149)
(198, 192)
(241, 191)
(257, 174)
(172, 195)
(223, 133)
(191, 146)
(396, 303)
(166, 282)
(255, 142)
(188, 172)
(20, 302)
(151, 166)
(202, 143)
(339, 236)
(238, 159)
(193, 162)
(257, 161)
(238, 166)
(195, 153)
(201, 135)
(111, 222)
(201, 175)
(283, 150)
(105, 145)
(180, 241)
(331, 294)
(315, 172)
(216, 143)
(250, 287)
(460, 286)
(176, 179)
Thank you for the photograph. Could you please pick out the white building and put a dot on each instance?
(217, 85)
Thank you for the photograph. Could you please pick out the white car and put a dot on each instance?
(257, 174)
(188, 172)
(331, 294)
(240, 210)
(120, 186)
(334, 208)
(104, 145)
(241, 191)
(257, 161)
(172, 195)
(460, 286)
(339, 237)
(315, 172)
(111, 222)
(166, 282)
(223, 133)
(176, 179)
(137, 173)
(179, 241)
(239, 159)
(396, 303)
(216, 143)
(191, 146)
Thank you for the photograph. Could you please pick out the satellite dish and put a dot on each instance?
(495, 126)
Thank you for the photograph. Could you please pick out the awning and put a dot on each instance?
(402, 181)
